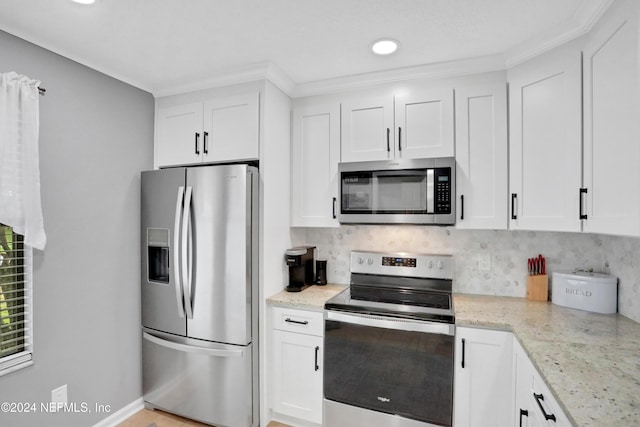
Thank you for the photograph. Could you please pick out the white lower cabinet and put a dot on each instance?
(534, 404)
(483, 384)
(297, 339)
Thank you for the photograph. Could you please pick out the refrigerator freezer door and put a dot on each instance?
(162, 305)
(220, 289)
(204, 381)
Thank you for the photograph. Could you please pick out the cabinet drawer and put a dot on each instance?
(300, 321)
(543, 402)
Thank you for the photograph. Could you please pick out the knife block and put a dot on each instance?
(538, 287)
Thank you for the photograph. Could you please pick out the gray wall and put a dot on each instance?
(96, 135)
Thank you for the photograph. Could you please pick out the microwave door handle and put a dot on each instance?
(176, 252)
(430, 191)
(186, 254)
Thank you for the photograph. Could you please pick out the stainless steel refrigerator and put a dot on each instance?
(200, 293)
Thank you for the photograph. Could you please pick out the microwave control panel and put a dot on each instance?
(442, 191)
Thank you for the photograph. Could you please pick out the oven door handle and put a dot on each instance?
(392, 323)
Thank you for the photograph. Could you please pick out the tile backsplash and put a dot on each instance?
(507, 250)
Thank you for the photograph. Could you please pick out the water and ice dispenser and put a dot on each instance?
(158, 255)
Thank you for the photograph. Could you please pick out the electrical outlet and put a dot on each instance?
(484, 262)
(59, 395)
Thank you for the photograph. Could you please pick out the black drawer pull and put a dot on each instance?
(317, 350)
(463, 345)
(538, 398)
(525, 413)
(388, 146)
(297, 322)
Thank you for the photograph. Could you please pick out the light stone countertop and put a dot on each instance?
(590, 361)
(312, 298)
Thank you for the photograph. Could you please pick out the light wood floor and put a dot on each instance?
(145, 418)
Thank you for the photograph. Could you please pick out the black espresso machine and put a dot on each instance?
(301, 261)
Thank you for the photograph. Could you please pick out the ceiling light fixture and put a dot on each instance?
(384, 46)
(85, 1)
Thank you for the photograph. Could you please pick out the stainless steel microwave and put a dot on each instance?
(418, 191)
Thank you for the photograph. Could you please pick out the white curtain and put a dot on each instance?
(20, 205)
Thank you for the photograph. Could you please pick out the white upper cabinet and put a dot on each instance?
(232, 127)
(545, 144)
(367, 129)
(424, 124)
(315, 153)
(421, 125)
(611, 123)
(481, 156)
(178, 134)
(213, 130)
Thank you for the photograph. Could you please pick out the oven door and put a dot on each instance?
(389, 365)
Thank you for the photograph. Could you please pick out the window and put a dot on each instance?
(15, 301)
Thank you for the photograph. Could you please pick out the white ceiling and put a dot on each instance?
(159, 45)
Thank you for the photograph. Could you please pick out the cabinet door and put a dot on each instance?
(315, 155)
(179, 135)
(545, 141)
(522, 386)
(424, 124)
(611, 118)
(231, 128)
(297, 375)
(481, 156)
(482, 389)
(367, 129)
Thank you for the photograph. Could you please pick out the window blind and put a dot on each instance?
(15, 301)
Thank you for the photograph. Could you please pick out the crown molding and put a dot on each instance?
(245, 74)
(580, 24)
(436, 70)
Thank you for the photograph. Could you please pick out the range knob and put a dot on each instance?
(370, 261)
(360, 260)
(440, 265)
(430, 264)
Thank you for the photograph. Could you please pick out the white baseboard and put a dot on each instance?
(122, 414)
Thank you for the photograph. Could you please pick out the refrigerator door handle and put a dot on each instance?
(176, 252)
(193, 349)
(187, 269)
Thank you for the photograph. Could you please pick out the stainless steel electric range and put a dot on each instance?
(389, 343)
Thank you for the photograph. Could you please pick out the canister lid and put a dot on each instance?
(586, 276)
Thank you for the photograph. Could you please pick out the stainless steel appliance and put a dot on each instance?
(200, 293)
(301, 261)
(389, 343)
(418, 191)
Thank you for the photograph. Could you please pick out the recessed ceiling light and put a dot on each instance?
(384, 46)
(85, 1)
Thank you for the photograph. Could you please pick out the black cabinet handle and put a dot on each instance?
(297, 322)
(514, 214)
(205, 144)
(538, 398)
(461, 207)
(525, 413)
(335, 201)
(317, 350)
(399, 138)
(582, 192)
(463, 345)
(197, 143)
(388, 137)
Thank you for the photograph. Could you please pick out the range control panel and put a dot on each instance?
(402, 264)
